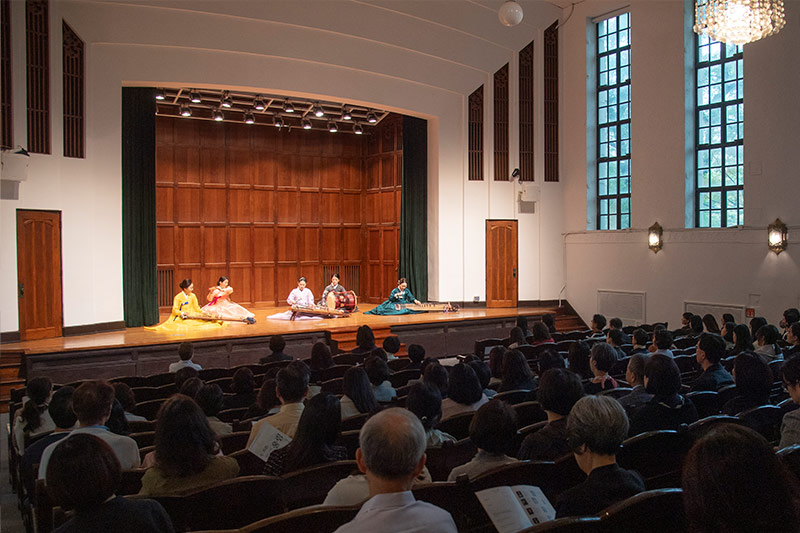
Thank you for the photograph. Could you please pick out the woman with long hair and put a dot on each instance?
(464, 392)
(358, 396)
(317, 430)
(186, 312)
(394, 305)
(742, 341)
(34, 419)
(186, 451)
(517, 373)
(710, 323)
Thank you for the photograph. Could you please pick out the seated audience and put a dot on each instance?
(291, 386)
(92, 493)
(602, 360)
(578, 358)
(492, 431)
(496, 356)
(667, 409)
(756, 323)
(60, 410)
(127, 399)
(464, 392)
(696, 323)
(186, 451)
(753, 380)
(742, 341)
(790, 316)
(615, 340)
(616, 324)
(634, 375)
(734, 482)
(793, 339)
(276, 346)
(365, 340)
(727, 334)
(378, 374)
(710, 351)
(436, 375)
(185, 352)
(183, 375)
(358, 397)
(117, 423)
(33, 419)
(266, 402)
(517, 373)
(710, 324)
(321, 359)
(727, 317)
(549, 358)
(243, 388)
(549, 321)
(484, 376)
(640, 338)
(559, 390)
(662, 342)
(313, 444)
(211, 399)
(541, 334)
(790, 427)
(392, 455)
(598, 326)
(517, 338)
(522, 323)
(191, 387)
(378, 352)
(425, 401)
(596, 427)
(416, 354)
(767, 346)
(686, 325)
(92, 402)
(391, 345)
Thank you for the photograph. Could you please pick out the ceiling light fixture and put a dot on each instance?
(357, 129)
(277, 121)
(195, 97)
(371, 118)
(306, 124)
(317, 110)
(186, 111)
(346, 113)
(160, 94)
(510, 13)
(217, 115)
(258, 103)
(249, 118)
(332, 127)
(227, 101)
(288, 107)
(738, 21)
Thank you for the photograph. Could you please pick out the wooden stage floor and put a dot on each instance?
(263, 327)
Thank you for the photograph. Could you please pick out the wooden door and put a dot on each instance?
(501, 263)
(39, 274)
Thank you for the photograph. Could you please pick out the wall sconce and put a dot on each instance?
(654, 237)
(777, 236)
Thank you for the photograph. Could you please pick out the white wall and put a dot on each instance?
(421, 59)
(728, 266)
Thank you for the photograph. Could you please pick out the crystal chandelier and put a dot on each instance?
(738, 21)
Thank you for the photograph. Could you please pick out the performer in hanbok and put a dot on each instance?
(301, 296)
(400, 295)
(333, 287)
(184, 305)
(220, 304)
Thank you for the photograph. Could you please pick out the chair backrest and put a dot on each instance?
(160, 379)
(543, 474)
(791, 458)
(662, 509)
(334, 386)
(210, 374)
(145, 394)
(685, 342)
(531, 353)
(131, 481)
(529, 413)
(457, 425)
(144, 439)
(450, 455)
(233, 442)
(309, 486)
(149, 410)
(459, 500)
(336, 371)
(43, 515)
(249, 463)
(483, 346)
(349, 439)
(396, 365)
(354, 422)
(563, 345)
(521, 434)
(231, 415)
(657, 456)
(726, 393)
(132, 381)
(348, 358)
(401, 378)
(619, 392)
(704, 425)
(570, 524)
(310, 519)
(687, 364)
(515, 396)
(765, 419)
(706, 402)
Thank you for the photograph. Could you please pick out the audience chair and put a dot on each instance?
(457, 498)
(682, 343)
(728, 362)
(249, 463)
(301, 520)
(144, 439)
(348, 359)
(457, 425)
(336, 371)
(521, 434)
(543, 474)
(131, 481)
(688, 366)
(529, 413)
(788, 405)
(704, 425)
(706, 402)
(223, 382)
(577, 335)
(233, 442)
(354, 422)
(557, 336)
(563, 345)
(349, 439)
(334, 386)
(442, 460)
(620, 367)
(627, 349)
(133, 382)
(531, 353)
(396, 365)
(145, 394)
(725, 394)
(401, 378)
(43, 512)
(775, 367)
(764, 419)
(211, 374)
(231, 415)
(309, 486)
(617, 393)
(791, 458)
(159, 380)
(144, 451)
(515, 396)
(245, 425)
(149, 410)
(657, 511)
(657, 456)
(570, 524)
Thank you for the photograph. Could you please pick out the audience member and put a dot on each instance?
(742, 341)
(436, 375)
(484, 377)
(183, 375)
(790, 427)
(710, 350)
(378, 374)
(34, 419)
(522, 323)
(790, 316)
(578, 357)
(358, 397)
(92, 493)
(596, 427)
(291, 386)
(549, 321)
(710, 324)
(755, 324)
(365, 340)
(686, 325)
(662, 342)
(696, 323)
(734, 482)
(753, 384)
(266, 401)
(541, 334)
(185, 352)
(492, 430)
(425, 401)
(598, 326)
(313, 443)
(517, 338)
(243, 387)
(127, 399)
(92, 402)
(549, 358)
(634, 375)
(117, 423)
(321, 359)
(464, 392)
(211, 400)
(767, 346)
(496, 356)
(727, 334)
(614, 339)
(616, 324)
(793, 339)
(416, 354)
(391, 345)
(640, 339)
(191, 387)
(276, 347)
(378, 352)
(667, 409)
(186, 451)
(517, 373)
(559, 390)
(392, 455)
(602, 360)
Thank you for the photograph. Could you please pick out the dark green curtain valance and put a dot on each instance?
(414, 207)
(139, 286)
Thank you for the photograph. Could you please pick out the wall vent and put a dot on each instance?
(702, 308)
(630, 306)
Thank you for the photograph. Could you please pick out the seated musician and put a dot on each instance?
(301, 296)
(399, 295)
(220, 304)
(333, 287)
(186, 312)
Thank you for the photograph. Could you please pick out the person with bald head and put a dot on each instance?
(391, 454)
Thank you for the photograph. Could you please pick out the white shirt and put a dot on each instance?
(174, 367)
(124, 447)
(354, 489)
(399, 512)
(452, 408)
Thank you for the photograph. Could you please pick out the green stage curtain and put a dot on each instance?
(414, 207)
(139, 285)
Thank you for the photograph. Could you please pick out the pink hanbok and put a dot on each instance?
(222, 306)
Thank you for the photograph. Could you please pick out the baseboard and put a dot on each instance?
(9, 336)
(86, 329)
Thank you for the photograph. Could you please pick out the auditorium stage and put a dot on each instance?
(137, 351)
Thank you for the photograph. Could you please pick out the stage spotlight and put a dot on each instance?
(186, 111)
(258, 104)
(217, 115)
(346, 114)
(277, 121)
(357, 129)
(332, 127)
(160, 94)
(371, 118)
(306, 124)
(194, 97)
(227, 101)
(288, 107)
(317, 110)
(249, 118)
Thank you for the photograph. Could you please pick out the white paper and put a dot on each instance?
(515, 508)
(267, 441)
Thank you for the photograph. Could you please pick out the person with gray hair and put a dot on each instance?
(391, 454)
(596, 427)
(634, 375)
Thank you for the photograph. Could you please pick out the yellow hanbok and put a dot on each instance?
(184, 303)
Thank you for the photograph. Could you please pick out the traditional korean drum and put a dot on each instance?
(342, 300)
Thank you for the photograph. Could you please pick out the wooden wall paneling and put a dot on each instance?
(241, 279)
(351, 173)
(287, 244)
(212, 134)
(165, 131)
(304, 172)
(186, 132)
(165, 244)
(332, 246)
(212, 165)
(388, 209)
(288, 206)
(165, 163)
(240, 204)
(240, 167)
(213, 208)
(284, 170)
(264, 245)
(309, 206)
(165, 206)
(286, 280)
(330, 207)
(186, 161)
(398, 202)
(214, 245)
(241, 245)
(187, 204)
(265, 168)
(373, 173)
(390, 246)
(351, 243)
(351, 208)
(309, 244)
(264, 284)
(188, 240)
(263, 205)
(387, 170)
(237, 137)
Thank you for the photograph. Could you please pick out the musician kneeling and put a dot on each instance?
(399, 295)
(186, 312)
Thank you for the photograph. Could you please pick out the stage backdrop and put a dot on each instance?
(264, 206)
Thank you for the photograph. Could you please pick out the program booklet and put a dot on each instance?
(267, 441)
(515, 508)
